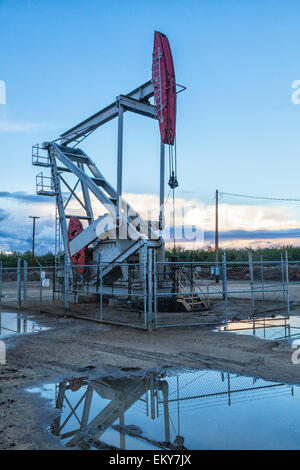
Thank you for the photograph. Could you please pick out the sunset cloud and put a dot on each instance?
(231, 216)
(240, 225)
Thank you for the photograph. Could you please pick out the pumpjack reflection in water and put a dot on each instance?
(159, 398)
(122, 394)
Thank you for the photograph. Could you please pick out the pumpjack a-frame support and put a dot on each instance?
(134, 235)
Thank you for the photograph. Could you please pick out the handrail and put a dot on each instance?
(187, 287)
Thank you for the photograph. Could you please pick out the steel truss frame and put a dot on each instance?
(122, 397)
(65, 158)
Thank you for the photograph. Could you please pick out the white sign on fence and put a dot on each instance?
(43, 274)
(45, 282)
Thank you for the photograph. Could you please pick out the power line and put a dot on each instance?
(260, 197)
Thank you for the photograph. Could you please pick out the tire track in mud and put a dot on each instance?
(189, 359)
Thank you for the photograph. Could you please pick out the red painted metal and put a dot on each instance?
(81, 257)
(164, 83)
(75, 384)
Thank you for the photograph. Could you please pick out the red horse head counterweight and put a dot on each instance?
(164, 84)
(80, 258)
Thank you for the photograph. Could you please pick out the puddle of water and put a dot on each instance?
(271, 328)
(191, 410)
(17, 323)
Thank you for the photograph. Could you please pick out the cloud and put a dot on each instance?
(240, 224)
(193, 212)
(14, 126)
(231, 216)
(273, 243)
(14, 239)
(3, 215)
(253, 234)
(23, 196)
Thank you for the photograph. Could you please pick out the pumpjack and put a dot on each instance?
(120, 235)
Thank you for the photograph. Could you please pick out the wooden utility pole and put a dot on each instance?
(33, 235)
(217, 237)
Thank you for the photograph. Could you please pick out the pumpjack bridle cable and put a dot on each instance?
(173, 183)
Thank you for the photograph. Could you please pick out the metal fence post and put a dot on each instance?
(25, 280)
(251, 281)
(41, 286)
(41, 289)
(53, 269)
(223, 288)
(282, 277)
(155, 300)
(101, 287)
(150, 286)
(1, 278)
(262, 277)
(19, 283)
(144, 273)
(66, 286)
(287, 282)
(225, 293)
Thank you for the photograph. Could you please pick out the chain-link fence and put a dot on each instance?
(156, 294)
(191, 293)
(109, 292)
(186, 293)
(261, 286)
(203, 388)
(25, 284)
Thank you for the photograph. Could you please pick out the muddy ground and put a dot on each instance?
(73, 348)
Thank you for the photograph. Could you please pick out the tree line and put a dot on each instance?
(10, 260)
(236, 254)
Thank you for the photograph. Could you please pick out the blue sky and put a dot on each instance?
(237, 127)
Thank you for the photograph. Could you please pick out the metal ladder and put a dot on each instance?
(58, 251)
(156, 72)
(57, 238)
